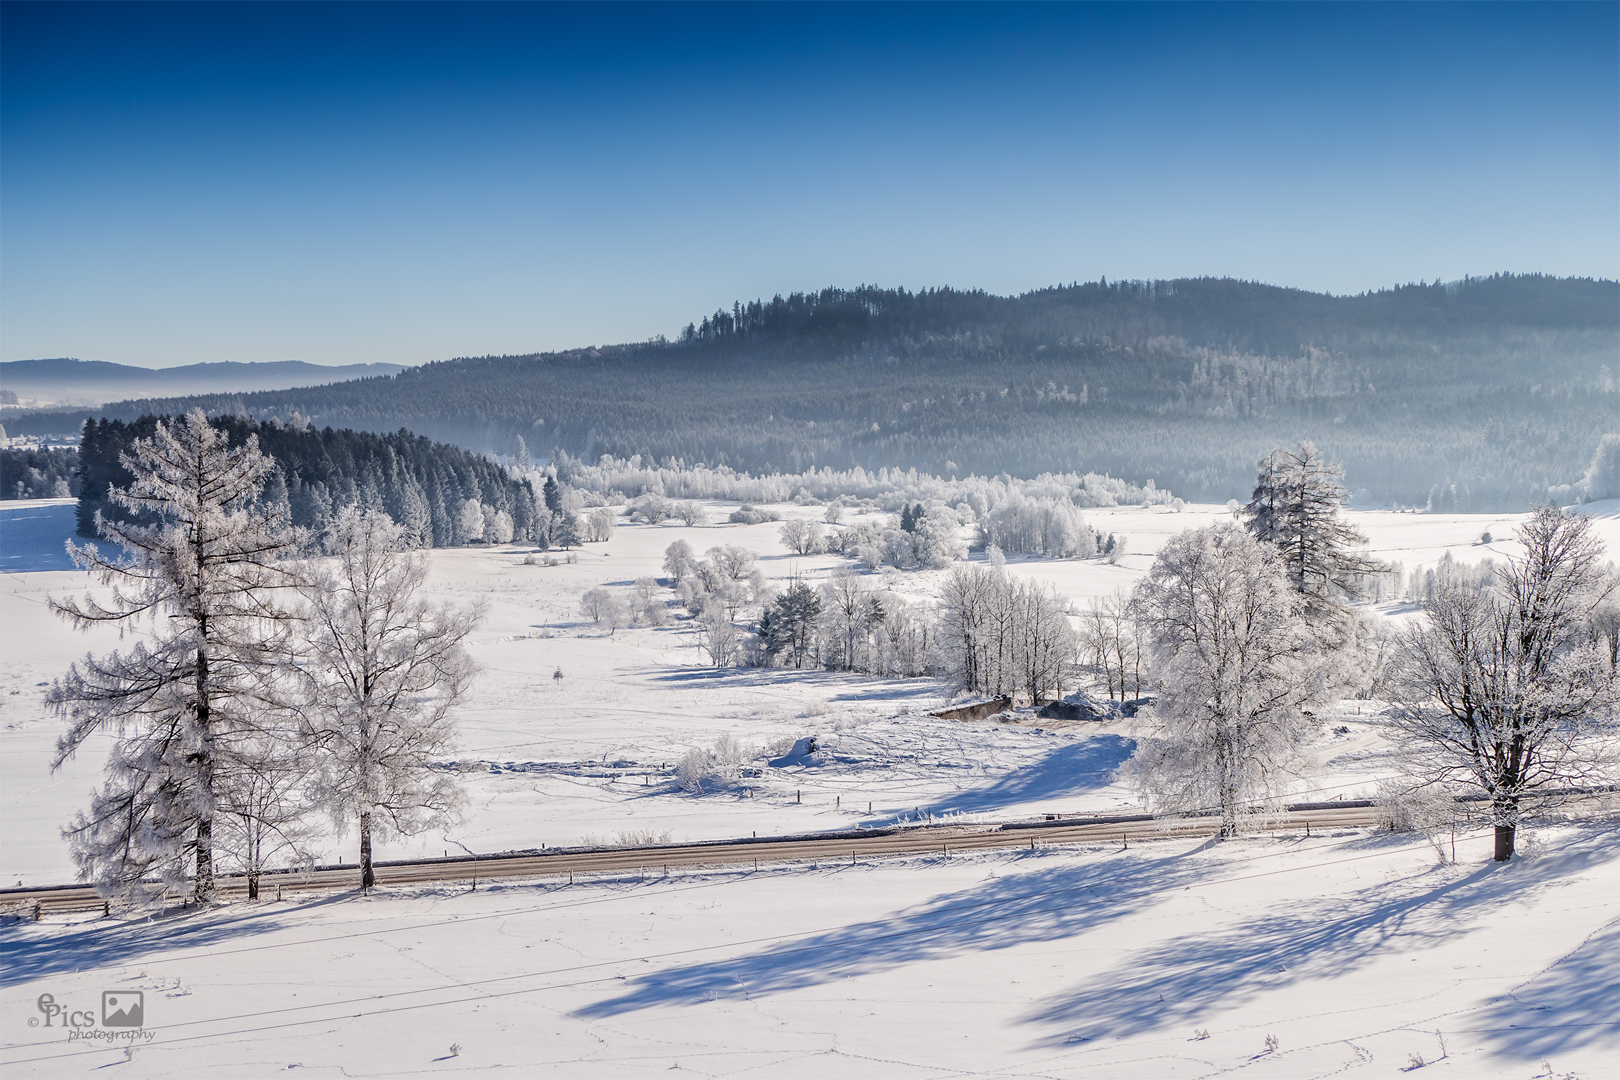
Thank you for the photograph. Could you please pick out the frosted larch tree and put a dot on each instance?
(203, 567)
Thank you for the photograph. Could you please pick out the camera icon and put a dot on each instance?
(123, 1008)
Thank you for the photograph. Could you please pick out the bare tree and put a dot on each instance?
(605, 609)
(1503, 688)
(718, 636)
(803, 537)
(1111, 636)
(1045, 640)
(1004, 635)
(1236, 666)
(203, 561)
(383, 669)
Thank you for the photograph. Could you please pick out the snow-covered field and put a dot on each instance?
(1350, 950)
(1355, 953)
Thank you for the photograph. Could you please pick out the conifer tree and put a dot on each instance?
(1295, 506)
(203, 569)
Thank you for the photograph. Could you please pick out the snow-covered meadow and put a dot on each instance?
(1350, 950)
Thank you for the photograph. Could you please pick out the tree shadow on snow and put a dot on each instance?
(1180, 981)
(1047, 904)
(1568, 1006)
(856, 687)
(27, 956)
(1068, 770)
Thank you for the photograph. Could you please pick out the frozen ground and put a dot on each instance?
(588, 757)
(1356, 954)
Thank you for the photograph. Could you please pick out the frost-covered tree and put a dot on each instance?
(470, 522)
(732, 561)
(1504, 689)
(678, 561)
(718, 636)
(382, 671)
(1295, 506)
(1004, 634)
(1602, 479)
(803, 537)
(1236, 666)
(192, 701)
(599, 525)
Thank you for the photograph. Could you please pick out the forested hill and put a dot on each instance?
(1473, 394)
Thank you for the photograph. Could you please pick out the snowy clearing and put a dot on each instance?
(1351, 951)
(590, 756)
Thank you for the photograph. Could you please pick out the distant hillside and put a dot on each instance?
(66, 381)
(1474, 394)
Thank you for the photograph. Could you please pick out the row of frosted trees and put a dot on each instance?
(1505, 687)
(265, 689)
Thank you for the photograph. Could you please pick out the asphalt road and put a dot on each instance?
(619, 861)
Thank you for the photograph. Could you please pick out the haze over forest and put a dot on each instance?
(1481, 394)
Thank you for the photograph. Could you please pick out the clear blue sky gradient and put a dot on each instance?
(351, 183)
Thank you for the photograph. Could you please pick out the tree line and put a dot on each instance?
(440, 495)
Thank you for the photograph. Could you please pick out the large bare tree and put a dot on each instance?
(1504, 688)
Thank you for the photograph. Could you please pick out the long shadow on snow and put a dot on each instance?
(1182, 980)
(1048, 904)
(1071, 769)
(106, 943)
(1568, 1006)
(858, 687)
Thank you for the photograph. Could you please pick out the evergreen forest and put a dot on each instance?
(423, 485)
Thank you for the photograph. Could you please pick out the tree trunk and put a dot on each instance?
(253, 884)
(205, 860)
(1504, 842)
(368, 876)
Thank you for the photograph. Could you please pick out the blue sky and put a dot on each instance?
(353, 183)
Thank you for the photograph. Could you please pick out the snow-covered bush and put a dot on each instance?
(750, 515)
(651, 508)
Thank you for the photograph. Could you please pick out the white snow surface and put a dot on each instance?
(1356, 954)
(1352, 950)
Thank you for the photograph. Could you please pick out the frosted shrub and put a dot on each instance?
(696, 766)
(715, 766)
(650, 508)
